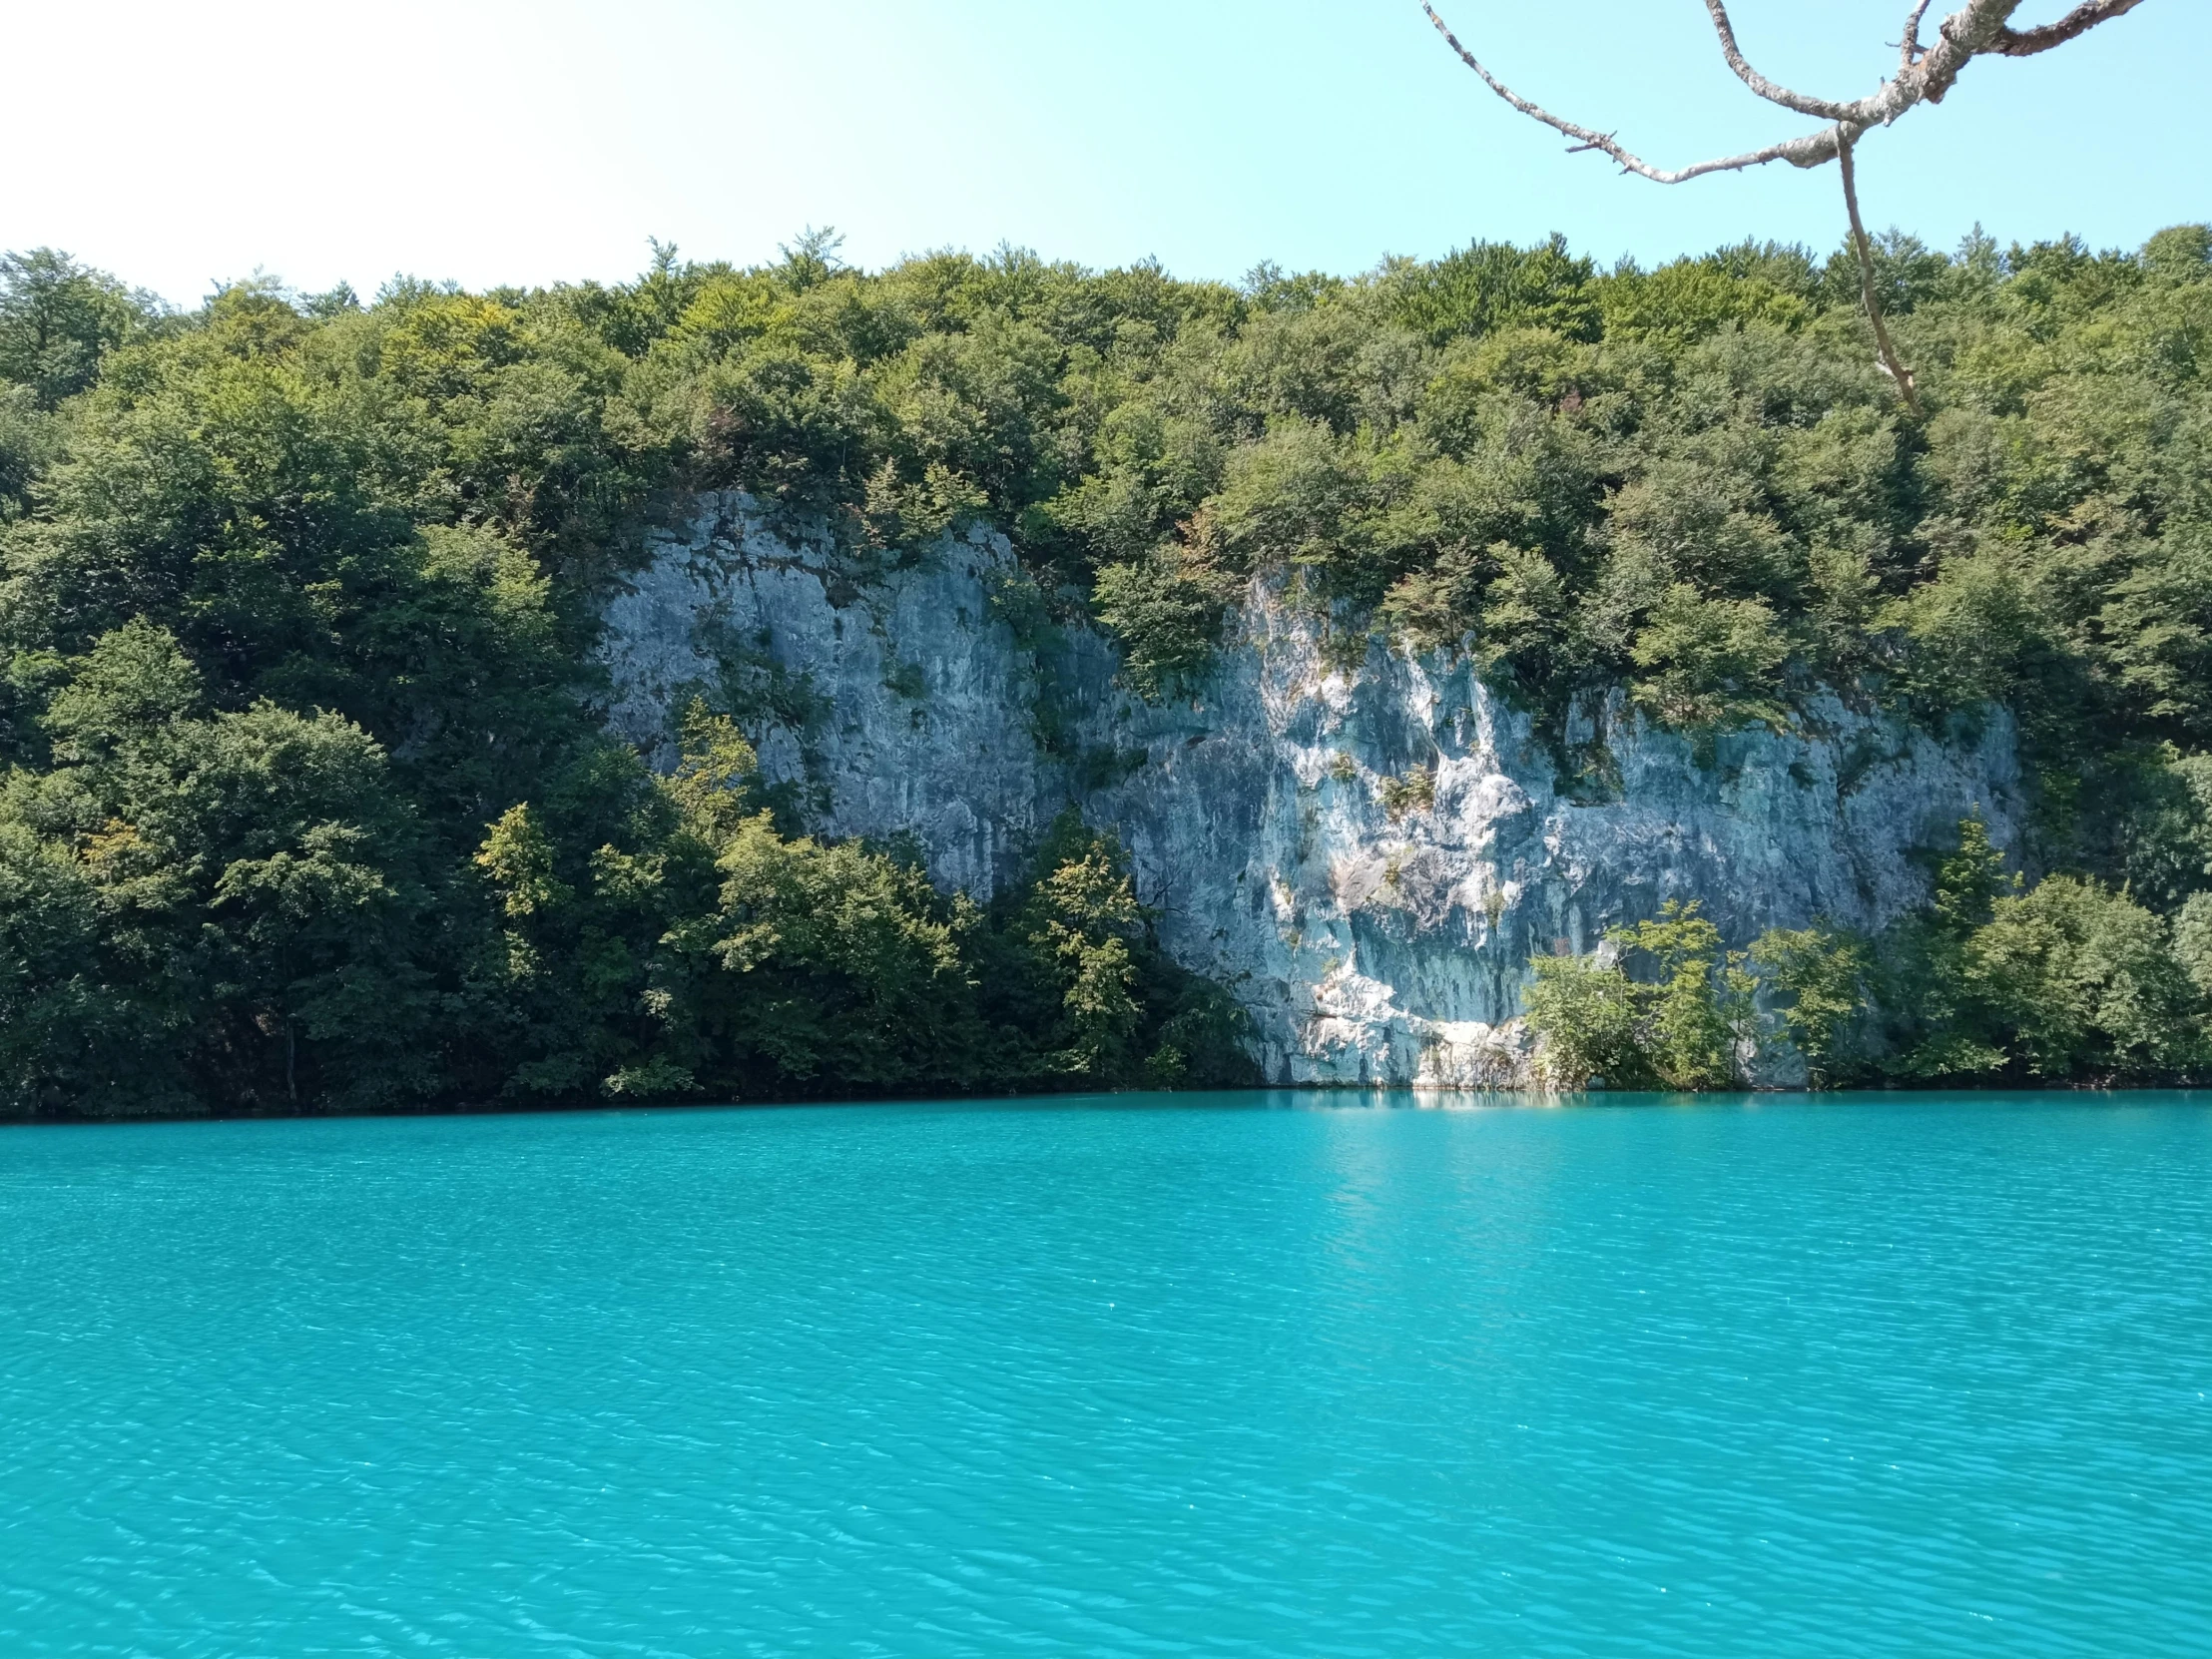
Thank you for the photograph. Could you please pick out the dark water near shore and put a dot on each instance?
(1913, 1376)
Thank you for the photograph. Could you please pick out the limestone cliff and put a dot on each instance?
(1368, 857)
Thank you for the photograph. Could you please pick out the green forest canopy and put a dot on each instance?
(305, 805)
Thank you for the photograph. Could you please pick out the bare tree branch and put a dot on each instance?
(1909, 47)
(1924, 74)
(1809, 151)
(1888, 352)
(1964, 33)
(1968, 31)
(2025, 43)
(1823, 107)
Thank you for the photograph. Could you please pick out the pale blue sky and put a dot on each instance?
(177, 142)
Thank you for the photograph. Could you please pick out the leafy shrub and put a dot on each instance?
(1683, 1029)
(1413, 791)
(1169, 619)
(1710, 663)
(1823, 975)
(1584, 1016)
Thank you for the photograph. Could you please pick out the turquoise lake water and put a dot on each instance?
(1240, 1375)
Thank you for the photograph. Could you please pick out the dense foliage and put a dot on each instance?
(2068, 981)
(306, 803)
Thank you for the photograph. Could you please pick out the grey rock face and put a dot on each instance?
(1368, 857)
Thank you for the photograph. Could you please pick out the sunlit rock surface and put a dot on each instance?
(1377, 930)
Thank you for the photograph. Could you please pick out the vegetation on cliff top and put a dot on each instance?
(305, 804)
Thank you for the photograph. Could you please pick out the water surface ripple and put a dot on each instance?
(1240, 1376)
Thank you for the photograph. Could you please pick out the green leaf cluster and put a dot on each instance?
(712, 954)
(1681, 1021)
(2068, 981)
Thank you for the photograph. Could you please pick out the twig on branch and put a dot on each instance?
(1809, 151)
(1888, 352)
(1909, 47)
(1821, 107)
(2027, 41)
